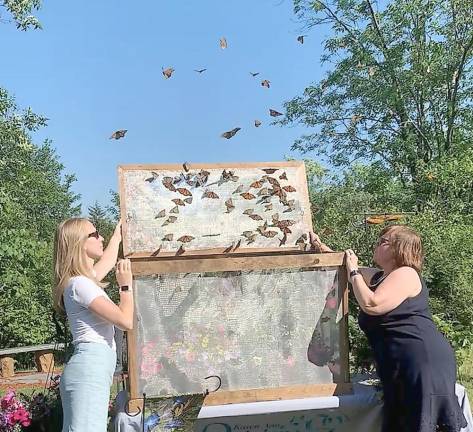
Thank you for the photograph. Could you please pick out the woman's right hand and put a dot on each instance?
(316, 244)
(123, 273)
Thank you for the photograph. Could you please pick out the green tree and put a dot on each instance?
(21, 12)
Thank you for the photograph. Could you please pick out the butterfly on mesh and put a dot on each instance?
(156, 252)
(181, 250)
(153, 177)
(168, 237)
(269, 234)
(118, 134)
(257, 184)
(161, 214)
(231, 133)
(184, 191)
(210, 194)
(269, 170)
(167, 73)
(169, 220)
(185, 239)
(167, 183)
(274, 113)
(247, 196)
(178, 202)
(289, 188)
(229, 204)
(283, 176)
(255, 217)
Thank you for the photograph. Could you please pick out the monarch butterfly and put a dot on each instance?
(283, 176)
(161, 214)
(253, 74)
(247, 196)
(168, 237)
(174, 210)
(255, 217)
(270, 170)
(237, 245)
(302, 239)
(178, 202)
(274, 113)
(169, 220)
(247, 234)
(167, 73)
(289, 188)
(251, 239)
(230, 133)
(269, 234)
(229, 204)
(264, 191)
(257, 123)
(167, 183)
(283, 240)
(184, 191)
(268, 207)
(185, 239)
(284, 223)
(181, 250)
(265, 83)
(301, 38)
(119, 134)
(256, 184)
(188, 200)
(199, 70)
(210, 194)
(275, 217)
(248, 211)
(153, 177)
(272, 181)
(186, 166)
(223, 43)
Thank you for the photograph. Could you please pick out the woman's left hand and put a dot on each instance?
(351, 261)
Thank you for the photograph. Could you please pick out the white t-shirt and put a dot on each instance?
(85, 325)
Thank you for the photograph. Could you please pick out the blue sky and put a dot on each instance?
(96, 67)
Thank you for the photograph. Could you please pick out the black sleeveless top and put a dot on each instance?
(416, 366)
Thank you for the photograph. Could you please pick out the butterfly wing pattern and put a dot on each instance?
(186, 207)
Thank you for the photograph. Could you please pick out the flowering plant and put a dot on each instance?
(13, 413)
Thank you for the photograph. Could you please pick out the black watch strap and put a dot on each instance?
(124, 288)
(354, 273)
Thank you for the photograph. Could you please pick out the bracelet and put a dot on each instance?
(353, 273)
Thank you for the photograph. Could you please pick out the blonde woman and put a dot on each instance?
(415, 363)
(80, 263)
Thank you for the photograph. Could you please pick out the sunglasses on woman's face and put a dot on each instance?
(94, 234)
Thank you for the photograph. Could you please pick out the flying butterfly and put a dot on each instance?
(167, 183)
(161, 214)
(289, 188)
(247, 196)
(255, 217)
(269, 234)
(185, 239)
(257, 123)
(231, 133)
(229, 175)
(257, 184)
(301, 38)
(188, 200)
(199, 70)
(229, 204)
(269, 170)
(210, 194)
(119, 134)
(156, 252)
(248, 211)
(283, 176)
(153, 177)
(186, 166)
(274, 113)
(223, 43)
(265, 83)
(379, 219)
(168, 237)
(238, 190)
(174, 210)
(178, 202)
(184, 191)
(253, 74)
(169, 220)
(167, 73)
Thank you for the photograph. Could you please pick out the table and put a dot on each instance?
(360, 411)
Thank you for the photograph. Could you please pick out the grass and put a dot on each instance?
(465, 372)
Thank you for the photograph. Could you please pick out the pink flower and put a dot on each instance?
(332, 303)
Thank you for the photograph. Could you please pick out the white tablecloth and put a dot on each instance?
(358, 412)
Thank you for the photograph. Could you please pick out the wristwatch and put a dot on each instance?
(353, 273)
(124, 288)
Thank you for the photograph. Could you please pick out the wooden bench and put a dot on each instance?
(44, 358)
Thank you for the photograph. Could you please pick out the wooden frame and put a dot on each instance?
(301, 180)
(142, 266)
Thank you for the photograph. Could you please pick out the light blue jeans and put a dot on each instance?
(85, 387)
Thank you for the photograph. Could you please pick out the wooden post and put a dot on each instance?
(44, 361)
(7, 367)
